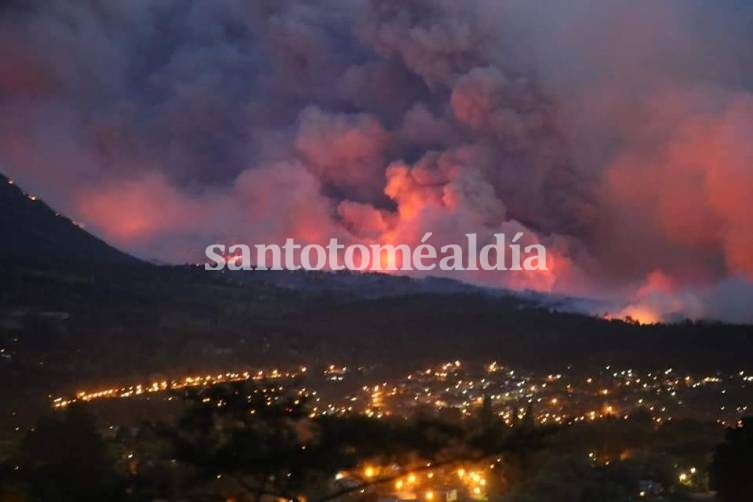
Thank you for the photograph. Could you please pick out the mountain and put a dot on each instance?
(30, 231)
(34, 234)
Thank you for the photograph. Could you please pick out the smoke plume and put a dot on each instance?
(620, 135)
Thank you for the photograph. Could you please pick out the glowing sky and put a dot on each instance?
(619, 134)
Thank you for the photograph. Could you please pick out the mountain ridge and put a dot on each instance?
(36, 233)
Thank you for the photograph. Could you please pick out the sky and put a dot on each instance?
(617, 133)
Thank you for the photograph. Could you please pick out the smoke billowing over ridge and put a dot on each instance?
(618, 135)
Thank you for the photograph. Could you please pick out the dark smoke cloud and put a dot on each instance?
(615, 133)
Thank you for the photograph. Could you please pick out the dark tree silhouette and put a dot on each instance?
(250, 442)
(731, 472)
(242, 440)
(65, 459)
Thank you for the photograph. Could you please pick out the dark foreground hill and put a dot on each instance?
(100, 322)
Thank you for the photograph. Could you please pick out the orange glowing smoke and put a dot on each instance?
(639, 314)
(135, 211)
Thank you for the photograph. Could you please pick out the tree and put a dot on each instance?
(249, 442)
(730, 472)
(65, 459)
